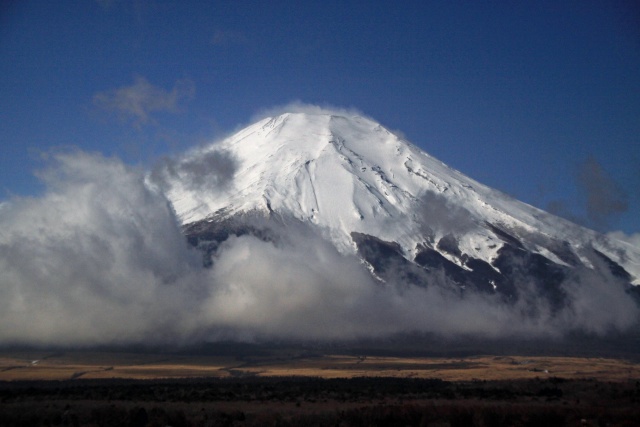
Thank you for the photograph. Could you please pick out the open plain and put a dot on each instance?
(289, 387)
(69, 365)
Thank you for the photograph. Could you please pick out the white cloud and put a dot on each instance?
(100, 258)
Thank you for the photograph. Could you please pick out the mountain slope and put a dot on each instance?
(374, 194)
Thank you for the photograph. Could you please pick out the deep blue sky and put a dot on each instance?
(540, 99)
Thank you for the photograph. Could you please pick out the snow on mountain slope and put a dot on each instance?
(347, 174)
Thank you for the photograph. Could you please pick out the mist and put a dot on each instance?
(204, 171)
(100, 259)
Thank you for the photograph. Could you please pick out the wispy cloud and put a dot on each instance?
(139, 101)
(632, 239)
(604, 197)
(297, 106)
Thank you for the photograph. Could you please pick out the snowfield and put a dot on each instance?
(347, 173)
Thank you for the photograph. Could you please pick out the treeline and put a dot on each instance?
(317, 402)
(455, 413)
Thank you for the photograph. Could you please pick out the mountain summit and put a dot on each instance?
(306, 227)
(372, 193)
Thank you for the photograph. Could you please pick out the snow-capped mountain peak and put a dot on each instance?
(350, 177)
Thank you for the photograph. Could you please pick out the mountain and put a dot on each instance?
(408, 216)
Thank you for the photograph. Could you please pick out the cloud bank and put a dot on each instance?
(101, 259)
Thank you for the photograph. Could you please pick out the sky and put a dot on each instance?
(540, 99)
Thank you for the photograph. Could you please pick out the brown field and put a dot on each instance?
(34, 365)
(282, 387)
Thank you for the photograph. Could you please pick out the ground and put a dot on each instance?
(293, 387)
(43, 365)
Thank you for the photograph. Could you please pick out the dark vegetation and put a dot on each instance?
(319, 402)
